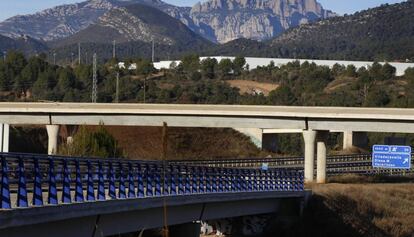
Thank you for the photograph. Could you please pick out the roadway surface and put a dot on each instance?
(211, 110)
(230, 116)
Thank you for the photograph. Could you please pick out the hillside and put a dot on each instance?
(385, 32)
(23, 44)
(65, 20)
(216, 20)
(133, 27)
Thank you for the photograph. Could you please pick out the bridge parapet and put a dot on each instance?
(44, 180)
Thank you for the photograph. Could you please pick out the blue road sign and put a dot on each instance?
(394, 157)
(265, 166)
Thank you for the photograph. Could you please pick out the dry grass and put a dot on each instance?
(339, 83)
(183, 143)
(250, 87)
(372, 209)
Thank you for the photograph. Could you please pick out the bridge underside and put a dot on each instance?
(124, 216)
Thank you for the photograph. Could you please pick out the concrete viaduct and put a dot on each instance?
(314, 123)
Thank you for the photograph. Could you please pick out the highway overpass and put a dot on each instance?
(314, 122)
(45, 195)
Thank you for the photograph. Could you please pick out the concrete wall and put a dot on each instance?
(256, 62)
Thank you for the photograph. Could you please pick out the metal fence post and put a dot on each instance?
(22, 190)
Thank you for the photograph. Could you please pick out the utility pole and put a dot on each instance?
(94, 80)
(145, 89)
(86, 58)
(153, 53)
(4, 55)
(117, 88)
(71, 58)
(114, 49)
(54, 58)
(79, 53)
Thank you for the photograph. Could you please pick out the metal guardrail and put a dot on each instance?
(40, 180)
(336, 165)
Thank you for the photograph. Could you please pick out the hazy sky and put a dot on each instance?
(10, 8)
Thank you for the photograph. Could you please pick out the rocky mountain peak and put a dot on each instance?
(217, 20)
(226, 20)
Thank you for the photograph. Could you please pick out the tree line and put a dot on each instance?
(205, 81)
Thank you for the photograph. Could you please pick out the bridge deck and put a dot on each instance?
(35, 215)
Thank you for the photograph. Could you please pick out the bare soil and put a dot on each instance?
(251, 87)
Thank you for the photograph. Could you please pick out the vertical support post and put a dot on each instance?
(157, 177)
(37, 186)
(5, 188)
(148, 176)
(121, 189)
(78, 185)
(173, 181)
(22, 190)
(90, 193)
(66, 195)
(4, 137)
(131, 184)
(52, 133)
(309, 137)
(101, 183)
(187, 181)
(140, 182)
(52, 184)
(321, 140)
(111, 189)
(181, 184)
(194, 180)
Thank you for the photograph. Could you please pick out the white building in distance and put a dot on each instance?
(260, 62)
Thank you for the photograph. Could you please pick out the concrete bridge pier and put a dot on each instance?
(355, 139)
(4, 137)
(53, 133)
(309, 137)
(321, 139)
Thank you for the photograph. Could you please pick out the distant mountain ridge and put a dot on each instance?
(216, 20)
(133, 28)
(381, 33)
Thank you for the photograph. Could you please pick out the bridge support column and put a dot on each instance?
(355, 139)
(4, 137)
(309, 139)
(52, 132)
(321, 140)
(255, 134)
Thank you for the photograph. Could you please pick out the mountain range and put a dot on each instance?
(299, 29)
(217, 20)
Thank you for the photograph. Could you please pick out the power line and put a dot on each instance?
(94, 80)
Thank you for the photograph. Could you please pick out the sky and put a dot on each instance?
(9, 8)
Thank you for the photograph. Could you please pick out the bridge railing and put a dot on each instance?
(39, 180)
(273, 162)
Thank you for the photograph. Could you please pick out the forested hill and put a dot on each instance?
(385, 32)
(24, 44)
